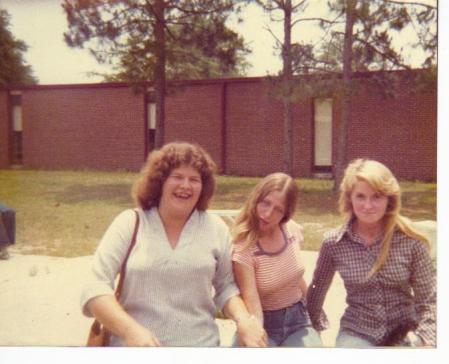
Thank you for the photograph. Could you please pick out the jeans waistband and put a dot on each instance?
(283, 311)
(290, 317)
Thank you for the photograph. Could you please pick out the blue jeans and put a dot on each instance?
(350, 339)
(290, 327)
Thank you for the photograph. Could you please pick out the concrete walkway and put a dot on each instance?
(40, 302)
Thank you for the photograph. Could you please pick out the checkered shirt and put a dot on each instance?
(404, 289)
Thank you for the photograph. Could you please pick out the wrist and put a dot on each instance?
(414, 339)
(243, 318)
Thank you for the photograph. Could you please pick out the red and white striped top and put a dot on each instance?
(277, 274)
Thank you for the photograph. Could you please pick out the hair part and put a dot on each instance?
(147, 189)
(382, 180)
(245, 231)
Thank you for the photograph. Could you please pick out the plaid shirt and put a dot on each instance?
(404, 289)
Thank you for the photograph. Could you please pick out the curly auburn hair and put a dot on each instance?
(147, 190)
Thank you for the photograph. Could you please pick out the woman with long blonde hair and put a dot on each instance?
(267, 262)
(384, 263)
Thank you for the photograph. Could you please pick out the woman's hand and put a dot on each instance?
(140, 336)
(414, 340)
(251, 333)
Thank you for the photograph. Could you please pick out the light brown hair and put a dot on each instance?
(245, 231)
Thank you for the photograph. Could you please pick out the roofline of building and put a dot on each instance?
(209, 81)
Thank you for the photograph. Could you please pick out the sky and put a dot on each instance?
(41, 24)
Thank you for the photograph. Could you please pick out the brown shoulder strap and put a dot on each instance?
(118, 290)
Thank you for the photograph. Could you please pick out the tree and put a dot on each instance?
(13, 69)
(211, 50)
(289, 11)
(150, 39)
(368, 45)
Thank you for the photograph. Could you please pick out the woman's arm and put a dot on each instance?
(303, 287)
(98, 298)
(423, 283)
(246, 281)
(249, 328)
(317, 290)
(109, 312)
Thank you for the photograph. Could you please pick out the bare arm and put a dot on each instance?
(249, 329)
(109, 312)
(303, 286)
(246, 280)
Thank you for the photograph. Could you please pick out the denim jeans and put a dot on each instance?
(291, 327)
(349, 339)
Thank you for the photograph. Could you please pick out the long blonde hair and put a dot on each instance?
(380, 178)
(245, 230)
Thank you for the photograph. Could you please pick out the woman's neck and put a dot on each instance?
(369, 232)
(168, 218)
(270, 233)
(271, 240)
(173, 225)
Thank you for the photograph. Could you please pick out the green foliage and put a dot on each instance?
(13, 69)
(376, 23)
(197, 43)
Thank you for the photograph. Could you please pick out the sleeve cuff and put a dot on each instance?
(91, 291)
(230, 291)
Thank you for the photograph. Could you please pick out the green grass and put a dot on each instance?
(66, 213)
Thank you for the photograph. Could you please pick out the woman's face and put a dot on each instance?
(369, 206)
(181, 190)
(270, 211)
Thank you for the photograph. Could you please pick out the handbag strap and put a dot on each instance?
(118, 290)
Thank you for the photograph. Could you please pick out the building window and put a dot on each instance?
(323, 134)
(16, 129)
(151, 125)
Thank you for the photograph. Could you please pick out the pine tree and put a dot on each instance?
(151, 40)
(13, 69)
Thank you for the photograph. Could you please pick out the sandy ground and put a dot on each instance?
(39, 302)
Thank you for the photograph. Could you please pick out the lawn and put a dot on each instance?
(65, 213)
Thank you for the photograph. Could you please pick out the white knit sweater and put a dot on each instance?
(170, 291)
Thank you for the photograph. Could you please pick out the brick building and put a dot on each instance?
(239, 121)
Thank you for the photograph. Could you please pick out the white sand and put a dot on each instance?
(39, 302)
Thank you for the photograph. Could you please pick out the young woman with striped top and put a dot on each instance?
(267, 263)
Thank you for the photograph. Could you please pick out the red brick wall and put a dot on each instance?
(4, 130)
(76, 128)
(194, 114)
(103, 127)
(399, 132)
(303, 138)
(254, 131)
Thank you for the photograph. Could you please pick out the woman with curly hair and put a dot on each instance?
(268, 266)
(179, 271)
(384, 263)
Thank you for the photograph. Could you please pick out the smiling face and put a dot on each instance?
(270, 211)
(181, 191)
(369, 206)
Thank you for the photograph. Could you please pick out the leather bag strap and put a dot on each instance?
(118, 290)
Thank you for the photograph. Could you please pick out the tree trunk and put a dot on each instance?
(287, 80)
(159, 77)
(346, 95)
